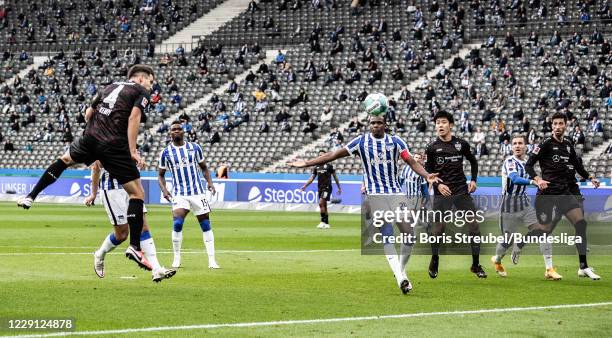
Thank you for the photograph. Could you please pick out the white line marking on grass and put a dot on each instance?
(184, 252)
(315, 321)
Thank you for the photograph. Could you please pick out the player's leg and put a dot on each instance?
(135, 218)
(405, 229)
(148, 248)
(110, 242)
(53, 172)
(180, 209)
(114, 202)
(323, 197)
(466, 204)
(201, 209)
(505, 221)
(576, 217)
(440, 205)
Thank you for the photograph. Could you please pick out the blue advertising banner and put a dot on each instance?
(64, 187)
(289, 192)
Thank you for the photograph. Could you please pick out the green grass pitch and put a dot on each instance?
(276, 266)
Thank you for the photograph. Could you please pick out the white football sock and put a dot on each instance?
(393, 261)
(106, 247)
(148, 248)
(209, 243)
(546, 250)
(500, 252)
(405, 251)
(177, 241)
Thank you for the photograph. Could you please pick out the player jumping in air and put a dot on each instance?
(558, 191)
(185, 160)
(110, 136)
(324, 173)
(516, 209)
(116, 203)
(379, 153)
(445, 156)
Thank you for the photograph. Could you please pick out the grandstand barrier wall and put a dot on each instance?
(254, 191)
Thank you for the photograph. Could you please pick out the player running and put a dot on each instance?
(185, 160)
(324, 172)
(558, 191)
(379, 153)
(516, 209)
(116, 203)
(110, 136)
(445, 156)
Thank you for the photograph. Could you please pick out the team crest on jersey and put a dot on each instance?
(458, 146)
(144, 102)
(511, 165)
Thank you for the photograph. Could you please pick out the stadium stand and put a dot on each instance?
(391, 44)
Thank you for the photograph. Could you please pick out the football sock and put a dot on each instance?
(324, 217)
(109, 244)
(209, 239)
(135, 220)
(475, 245)
(392, 259)
(546, 250)
(50, 175)
(177, 235)
(435, 246)
(500, 252)
(582, 247)
(405, 251)
(148, 248)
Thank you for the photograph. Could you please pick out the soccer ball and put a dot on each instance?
(376, 104)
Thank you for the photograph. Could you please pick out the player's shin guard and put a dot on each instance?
(582, 246)
(501, 248)
(148, 248)
(391, 253)
(49, 177)
(324, 217)
(109, 244)
(475, 246)
(135, 219)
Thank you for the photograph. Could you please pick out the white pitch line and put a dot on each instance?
(184, 252)
(315, 321)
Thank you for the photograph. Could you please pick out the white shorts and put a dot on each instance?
(198, 204)
(116, 204)
(512, 221)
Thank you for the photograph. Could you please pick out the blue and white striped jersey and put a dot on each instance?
(379, 157)
(183, 163)
(107, 182)
(412, 183)
(515, 195)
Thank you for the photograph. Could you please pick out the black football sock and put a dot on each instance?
(475, 246)
(435, 246)
(582, 247)
(135, 219)
(49, 177)
(324, 218)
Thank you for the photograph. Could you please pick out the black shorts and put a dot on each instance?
(325, 194)
(116, 160)
(463, 202)
(550, 208)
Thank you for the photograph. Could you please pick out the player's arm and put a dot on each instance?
(530, 166)
(161, 180)
(337, 182)
(95, 182)
(133, 126)
(579, 166)
(467, 152)
(92, 108)
(310, 180)
(206, 172)
(327, 157)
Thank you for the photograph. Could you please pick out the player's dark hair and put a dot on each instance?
(521, 136)
(135, 69)
(559, 115)
(176, 122)
(322, 151)
(443, 114)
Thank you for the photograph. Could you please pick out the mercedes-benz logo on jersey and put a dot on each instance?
(458, 146)
(440, 160)
(555, 158)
